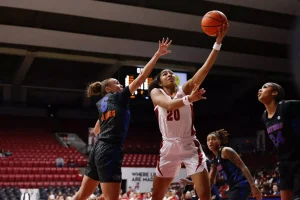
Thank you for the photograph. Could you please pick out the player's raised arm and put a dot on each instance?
(200, 75)
(162, 50)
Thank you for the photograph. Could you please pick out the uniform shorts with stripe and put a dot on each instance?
(105, 162)
(175, 151)
(290, 176)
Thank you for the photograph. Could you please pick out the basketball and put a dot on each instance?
(211, 22)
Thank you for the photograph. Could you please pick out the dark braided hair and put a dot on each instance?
(222, 135)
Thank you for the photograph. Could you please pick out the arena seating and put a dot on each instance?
(140, 160)
(33, 161)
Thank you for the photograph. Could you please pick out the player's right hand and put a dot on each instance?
(256, 193)
(196, 94)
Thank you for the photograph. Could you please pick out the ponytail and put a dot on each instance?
(97, 88)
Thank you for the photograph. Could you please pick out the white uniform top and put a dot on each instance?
(177, 123)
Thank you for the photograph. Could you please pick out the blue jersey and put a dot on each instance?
(230, 172)
(284, 129)
(114, 116)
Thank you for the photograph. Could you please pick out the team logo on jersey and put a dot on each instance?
(117, 177)
(103, 106)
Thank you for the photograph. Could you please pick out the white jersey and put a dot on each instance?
(176, 123)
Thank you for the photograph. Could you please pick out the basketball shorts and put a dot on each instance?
(239, 193)
(105, 162)
(290, 176)
(175, 151)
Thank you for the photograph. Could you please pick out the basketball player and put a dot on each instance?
(173, 107)
(282, 121)
(230, 165)
(106, 157)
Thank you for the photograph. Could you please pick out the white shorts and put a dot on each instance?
(175, 151)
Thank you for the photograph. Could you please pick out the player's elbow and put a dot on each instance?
(170, 107)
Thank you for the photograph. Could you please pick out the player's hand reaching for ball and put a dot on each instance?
(222, 32)
(196, 94)
(163, 47)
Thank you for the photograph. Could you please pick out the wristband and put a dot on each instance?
(185, 100)
(217, 46)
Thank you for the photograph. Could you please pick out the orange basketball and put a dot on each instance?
(211, 22)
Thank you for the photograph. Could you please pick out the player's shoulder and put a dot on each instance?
(155, 91)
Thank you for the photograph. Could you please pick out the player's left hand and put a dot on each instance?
(256, 193)
(222, 32)
(163, 47)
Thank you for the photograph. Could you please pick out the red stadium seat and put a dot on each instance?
(55, 177)
(58, 184)
(18, 177)
(4, 163)
(59, 170)
(17, 163)
(3, 170)
(11, 163)
(11, 177)
(28, 170)
(44, 177)
(20, 184)
(31, 177)
(24, 177)
(34, 170)
(62, 177)
(23, 164)
(49, 177)
(33, 185)
(39, 184)
(48, 164)
(65, 170)
(36, 163)
(4, 177)
(42, 164)
(21, 170)
(41, 170)
(53, 170)
(27, 184)
(68, 177)
(47, 170)
(73, 177)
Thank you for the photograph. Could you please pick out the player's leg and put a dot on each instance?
(296, 185)
(286, 180)
(160, 187)
(201, 182)
(87, 187)
(111, 190)
(90, 180)
(110, 170)
(195, 163)
(168, 167)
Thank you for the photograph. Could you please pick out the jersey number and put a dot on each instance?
(277, 140)
(173, 115)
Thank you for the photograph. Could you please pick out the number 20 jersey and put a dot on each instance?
(176, 123)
